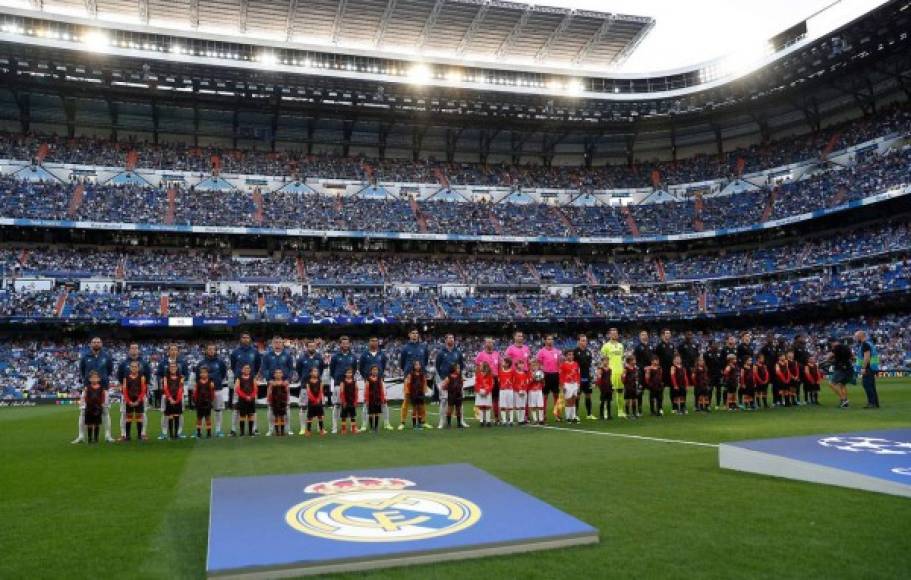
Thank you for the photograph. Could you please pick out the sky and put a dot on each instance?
(687, 32)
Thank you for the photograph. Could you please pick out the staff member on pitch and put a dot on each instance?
(95, 360)
(842, 370)
(867, 365)
(612, 350)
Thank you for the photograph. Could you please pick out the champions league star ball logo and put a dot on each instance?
(873, 445)
(379, 509)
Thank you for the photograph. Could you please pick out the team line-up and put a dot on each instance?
(511, 388)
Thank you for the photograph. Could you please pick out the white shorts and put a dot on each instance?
(536, 399)
(570, 390)
(507, 399)
(483, 400)
(221, 395)
(521, 400)
(336, 392)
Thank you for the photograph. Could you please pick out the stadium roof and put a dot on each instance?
(474, 31)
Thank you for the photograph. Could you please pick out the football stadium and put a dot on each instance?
(455, 289)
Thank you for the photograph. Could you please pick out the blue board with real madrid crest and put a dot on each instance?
(877, 461)
(317, 523)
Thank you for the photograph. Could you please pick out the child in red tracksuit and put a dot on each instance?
(348, 400)
(570, 378)
(173, 394)
(453, 385)
(245, 389)
(375, 395)
(796, 374)
(203, 399)
(812, 379)
(781, 381)
(748, 384)
(279, 397)
(314, 402)
(680, 380)
(134, 399)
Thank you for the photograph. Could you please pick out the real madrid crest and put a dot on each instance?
(379, 509)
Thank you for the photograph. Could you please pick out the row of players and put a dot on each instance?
(508, 388)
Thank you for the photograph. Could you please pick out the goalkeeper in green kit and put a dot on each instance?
(612, 350)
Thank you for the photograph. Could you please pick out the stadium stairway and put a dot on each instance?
(23, 258)
(698, 207)
(351, 307)
(42, 152)
(61, 302)
(518, 307)
(419, 216)
(76, 199)
(460, 269)
(258, 206)
(561, 215)
(381, 264)
(830, 145)
(132, 160)
(497, 226)
(659, 268)
(533, 270)
(838, 198)
(440, 311)
(769, 205)
(630, 221)
(171, 214)
(164, 304)
(301, 269)
(589, 274)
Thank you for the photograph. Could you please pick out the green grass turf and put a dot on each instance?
(664, 510)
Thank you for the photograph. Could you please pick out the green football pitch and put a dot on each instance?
(664, 509)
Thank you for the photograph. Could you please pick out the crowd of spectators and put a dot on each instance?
(398, 269)
(295, 163)
(849, 282)
(826, 187)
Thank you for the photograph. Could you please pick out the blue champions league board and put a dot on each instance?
(870, 460)
(317, 523)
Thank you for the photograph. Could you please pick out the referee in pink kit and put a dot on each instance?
(549, 359)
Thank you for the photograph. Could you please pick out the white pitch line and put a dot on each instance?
(627, 436)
